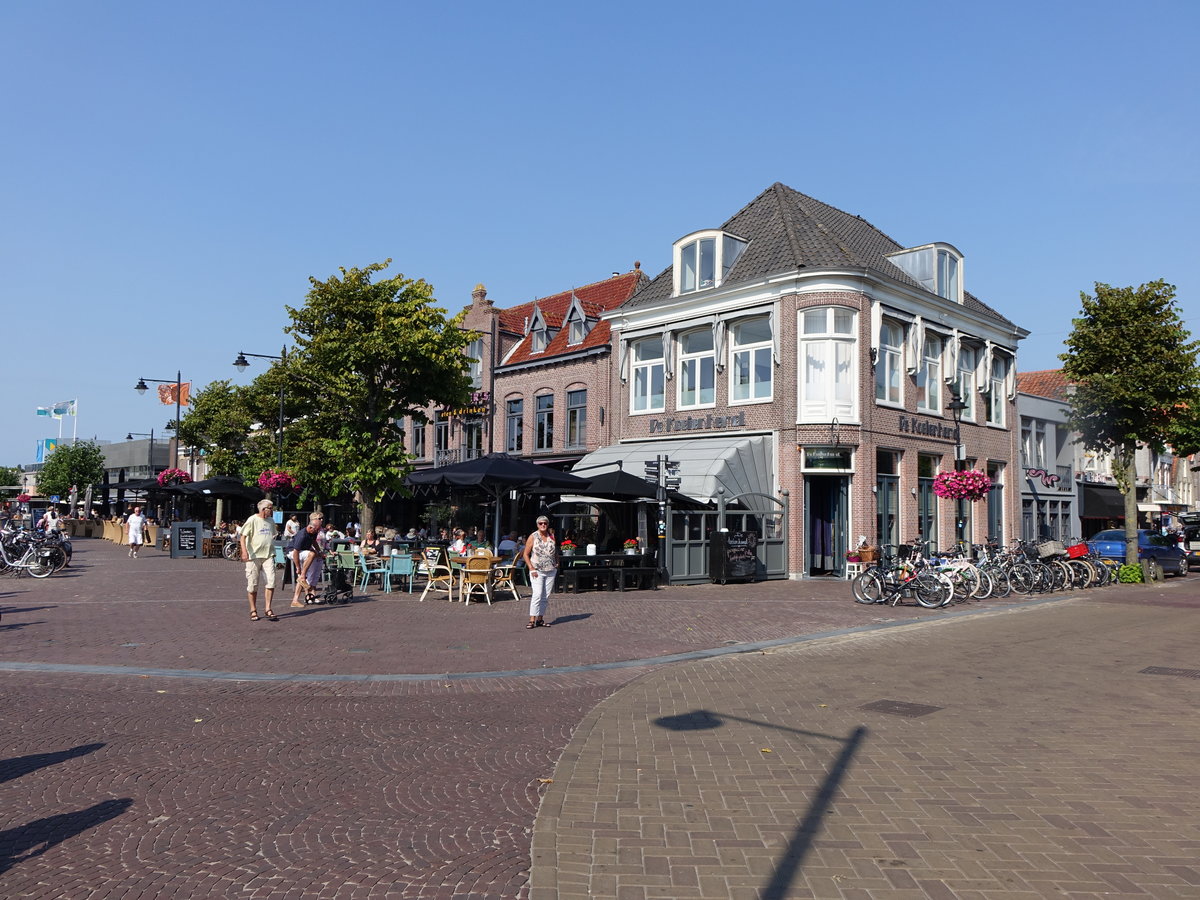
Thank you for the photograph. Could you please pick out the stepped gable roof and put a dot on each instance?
(1049, 383)
(596, 298)
(788, 230)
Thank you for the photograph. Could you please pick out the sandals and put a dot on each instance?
(271, 617)
(253, 617)
(541, 623)
(530, 624)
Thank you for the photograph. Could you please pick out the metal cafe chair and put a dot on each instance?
(435, 566)
(477, 578)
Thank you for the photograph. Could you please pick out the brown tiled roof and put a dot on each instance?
(1049, 383)
(596, 298)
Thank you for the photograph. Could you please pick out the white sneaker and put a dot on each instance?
(131, 554)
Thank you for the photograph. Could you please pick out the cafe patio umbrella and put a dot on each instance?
(495, 474)
(220, 486)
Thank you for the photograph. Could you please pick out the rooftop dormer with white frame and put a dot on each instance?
(702, 259)
(937, 267)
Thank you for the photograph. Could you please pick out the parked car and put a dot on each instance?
(1163, 549)
(1192, 545)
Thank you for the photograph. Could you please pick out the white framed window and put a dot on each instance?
(967, 357)
(929, 376)
(648, 394)
(697, 369)
(543, 422)
(947, 276)
(996, 397)
(750, 366)
(514, 426)
(576, 327)
(475, 366)
(936, 267)
(888, 366)
(418, 439)
(577, 418)
(703, 260)
(829, 365)
(540, 336)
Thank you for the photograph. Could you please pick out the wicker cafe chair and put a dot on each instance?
(503, 574)
(477, 578)
(435, 566)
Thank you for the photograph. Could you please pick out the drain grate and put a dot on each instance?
(1163, 670)
(900, 708)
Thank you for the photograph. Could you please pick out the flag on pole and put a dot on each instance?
(43, 411)
(167, 392)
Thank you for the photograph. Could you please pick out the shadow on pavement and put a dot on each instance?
(810, 826)
(40, 835)
(23, 765)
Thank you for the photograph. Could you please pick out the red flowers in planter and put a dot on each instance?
(271, 480)
(173, 476)
(970, 485)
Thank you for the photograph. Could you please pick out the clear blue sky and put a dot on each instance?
(173, 173)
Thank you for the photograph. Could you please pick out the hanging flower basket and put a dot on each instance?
(23, 498)
(168, 477)
(272, 480)
(970, 485)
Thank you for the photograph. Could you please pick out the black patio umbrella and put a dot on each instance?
(618, 484)
(495, 475)
(220, 486)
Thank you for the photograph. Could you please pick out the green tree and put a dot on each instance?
(374, 352)
(76, 465)
(9, 477)
(230, 424)
(1133, 365)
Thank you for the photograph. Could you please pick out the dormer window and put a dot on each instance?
(703, 260)
(576, 327)
(539, 333)
(936, 267)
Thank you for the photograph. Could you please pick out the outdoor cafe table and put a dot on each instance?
(612, 571)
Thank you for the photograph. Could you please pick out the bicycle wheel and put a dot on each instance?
(966, 583)
(232, 551)
(1000, 585)
(931, 590)
(39, 566)
(986, 585)
(868, 587)
(1021, 578)
(1082, 575)
(55, 556)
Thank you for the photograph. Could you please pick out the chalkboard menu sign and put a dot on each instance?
(187, 540)
(733, 555)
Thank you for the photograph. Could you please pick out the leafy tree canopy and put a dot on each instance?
(71, 465)
(373, 353)
(1133, 365)
(9, 476)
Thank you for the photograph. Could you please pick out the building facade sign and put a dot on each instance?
(479, 407)
(913, 425)
(697, 423)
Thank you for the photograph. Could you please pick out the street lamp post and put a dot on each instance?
(141, 388)
(241, 364)
(956, 407)
(132, 434)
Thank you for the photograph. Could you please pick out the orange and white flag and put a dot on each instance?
(166, 393)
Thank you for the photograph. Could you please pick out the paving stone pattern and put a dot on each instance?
(130, 783)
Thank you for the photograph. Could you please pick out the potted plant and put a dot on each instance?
(630, 546)
(567, 547)
(853, 556)
(173, 476)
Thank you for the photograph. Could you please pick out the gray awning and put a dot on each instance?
(740, 465)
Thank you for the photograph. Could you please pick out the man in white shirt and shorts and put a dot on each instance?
(257, 537)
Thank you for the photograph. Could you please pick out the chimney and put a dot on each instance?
(479, 296)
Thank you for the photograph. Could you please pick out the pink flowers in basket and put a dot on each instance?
(272, 480)
(173, 476)
(970, 485)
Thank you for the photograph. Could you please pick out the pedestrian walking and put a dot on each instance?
(541, 559)
(135, 525)
(290, 527)
(257, 539)
(307, 559)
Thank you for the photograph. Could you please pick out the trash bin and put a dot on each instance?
(733, 555)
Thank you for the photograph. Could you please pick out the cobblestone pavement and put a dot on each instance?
(1050, 753)
(194, 759)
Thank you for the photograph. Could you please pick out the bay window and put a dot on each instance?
(828, 358)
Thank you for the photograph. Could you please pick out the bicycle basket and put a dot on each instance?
(1077, 550)
(1051, 548)
(904, 551)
